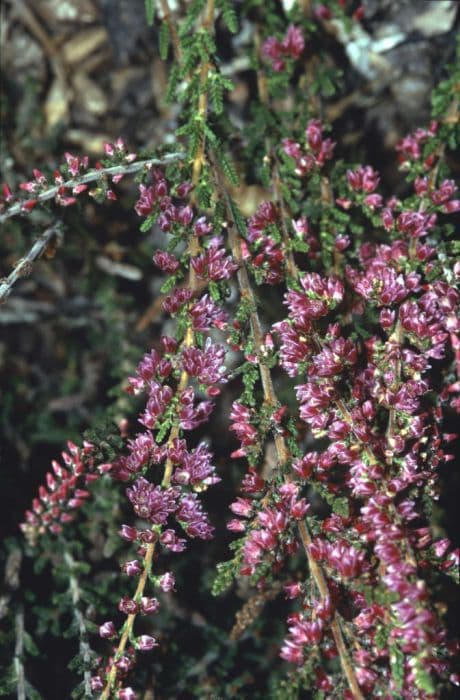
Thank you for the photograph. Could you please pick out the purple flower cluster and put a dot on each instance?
(291, 47)
(317, 151)
(369, 399)
(268, 256)
(213, 263)
(64, 492)
(206, 364)
(270, 536)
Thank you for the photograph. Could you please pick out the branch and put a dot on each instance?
(91, 176)
(24, 266)
(84, 648)
(18, 654)
(280, 443)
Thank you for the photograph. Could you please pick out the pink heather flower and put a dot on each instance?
(195, 468)
(184, 215)
(146, 202)
(183, 189)
(205, 314)
(124, 663)
(165, 261)
(107, 630)
(170, 540)
(128, 533)
(415, 224)
(146, 643)
(318, 149)
(308, 632)
(292, 652)
(314, 401)
(275, 521)
(304, 467)
(242, 507)
(293, 43)
(241, 416)
(265, 215)
(177, 300)
(127, 694)
(149, 606)
(192, 518)
(292, 148)
(345, 559)
(167, 582)
(410, 147)
(96, 683)
(191, 415)
(322, 12)
(76, 164)
(128, 606)
(143, 451)
(321, 295)
(382, 284)
(207, 364)
(373, 201)
(7, 194)
(159, 398)
(151, 502)
(334, 357)
(295, 348)
(293, 590)
(324, 608)
(252, 482)
(444, 193)
(364, 179)
(213, 264)
(301, 226)
(236, 525)
(291, 46)
(257, 542)
(202, 227)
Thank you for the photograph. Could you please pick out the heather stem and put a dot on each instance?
(18, 654)
(172, 29)
(396, 338)
(271, 157)
(24, 266)
(194, 247)
(280, 443)
(128, 626)
(85, 650)
(91, 176)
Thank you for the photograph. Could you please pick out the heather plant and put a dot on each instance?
(322, 330)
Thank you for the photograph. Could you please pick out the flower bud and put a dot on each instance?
(107, 630)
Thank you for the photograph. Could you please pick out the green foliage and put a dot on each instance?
(164, 40)
(397, 665)
(149, 12)
(193, 11)
(107, 441)
(250, 376)
(228, 15)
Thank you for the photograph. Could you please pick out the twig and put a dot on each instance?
(18, 654)
(24, 266)
(91, 176)
(84, 648)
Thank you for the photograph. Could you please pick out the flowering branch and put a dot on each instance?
(84, 647)
(75, 184)
(358, 442)
(282, 450)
